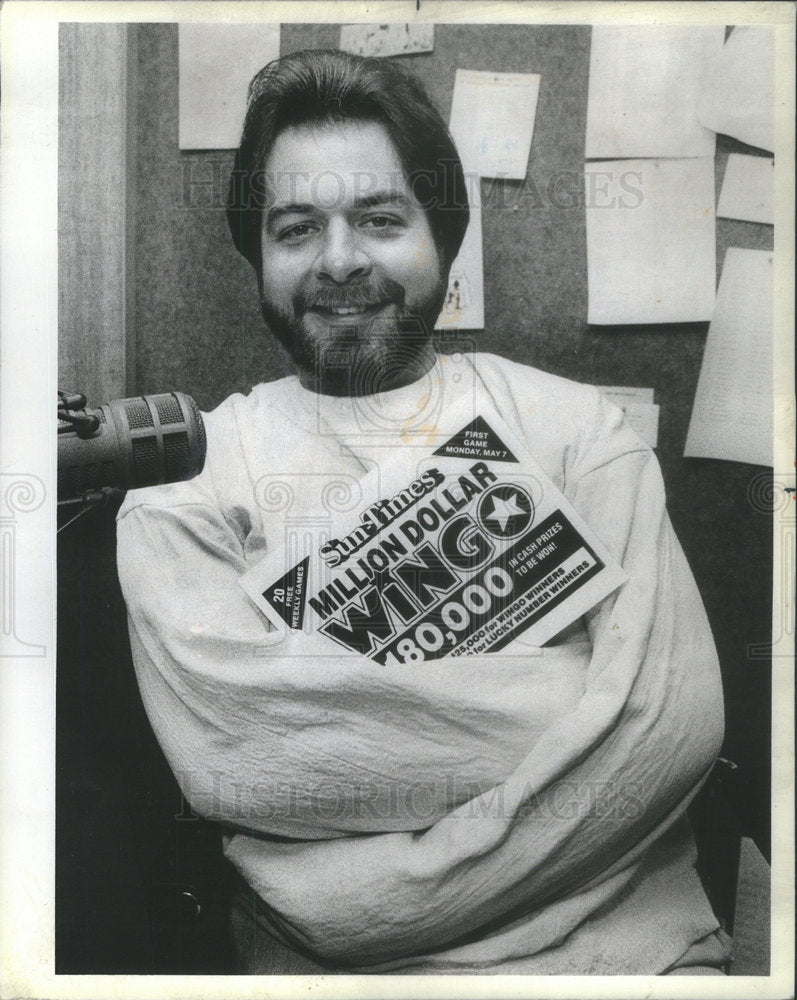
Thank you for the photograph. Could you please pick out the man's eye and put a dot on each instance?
(298, 232)
(382, 222)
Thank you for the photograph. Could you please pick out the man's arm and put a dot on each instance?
(595, 791)
(599, 784)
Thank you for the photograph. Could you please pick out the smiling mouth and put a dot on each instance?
(347, 312)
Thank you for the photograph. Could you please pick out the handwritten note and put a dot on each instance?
(386, 39)
(748, 189)
(463, 308)
(739, 88)
(215, 64)
(644, 86)
(732, 415)
(492, 121)
(650, 241)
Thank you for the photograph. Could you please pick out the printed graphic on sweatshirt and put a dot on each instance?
(460, 557)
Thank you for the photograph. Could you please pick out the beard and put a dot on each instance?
(387, 345)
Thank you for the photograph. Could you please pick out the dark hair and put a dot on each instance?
(321, 86)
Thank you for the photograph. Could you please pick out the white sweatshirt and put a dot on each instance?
(490, 813)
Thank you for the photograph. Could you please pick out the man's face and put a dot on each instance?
(352, 282)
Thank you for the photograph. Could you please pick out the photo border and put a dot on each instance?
(28, 207)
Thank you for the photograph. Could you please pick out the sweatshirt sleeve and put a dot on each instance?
(602, 784)
(196, 640)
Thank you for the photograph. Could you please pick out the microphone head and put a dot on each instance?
(140, 441)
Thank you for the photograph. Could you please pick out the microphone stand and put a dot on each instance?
(72, 413)
(90, 500)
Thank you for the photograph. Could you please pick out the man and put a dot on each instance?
(517, 813)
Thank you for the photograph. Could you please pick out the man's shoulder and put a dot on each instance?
(536, 386)
(228, 427)
(244, 405)
(566, 424)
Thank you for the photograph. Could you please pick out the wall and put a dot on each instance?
(199, 329)
(95, 248)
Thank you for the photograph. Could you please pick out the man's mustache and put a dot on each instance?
(360, 294)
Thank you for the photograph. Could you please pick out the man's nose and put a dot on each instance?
(343, 256)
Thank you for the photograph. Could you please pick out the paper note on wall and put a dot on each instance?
(215, 64)
(644, 86)
(463, 308)
(492, 121)
(739, 88)
(386, 39)
(732, 414)
(639, 409)
(748, 189)
(650, 241)
(622, 395)
(644, 418)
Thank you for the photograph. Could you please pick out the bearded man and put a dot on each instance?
(520, 811)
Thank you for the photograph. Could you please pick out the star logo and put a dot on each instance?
(505, 511)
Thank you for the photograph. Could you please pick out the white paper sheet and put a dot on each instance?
(386, 39)
(492, 121)
(748, 189)
(732, 414)
(644, 86)
(644, 418)
(216, 63)
(639, 409)
(463, 308)
(625, 394)
(739, 88)
(650, 240)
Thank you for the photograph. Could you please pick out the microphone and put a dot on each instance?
(126, 444)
